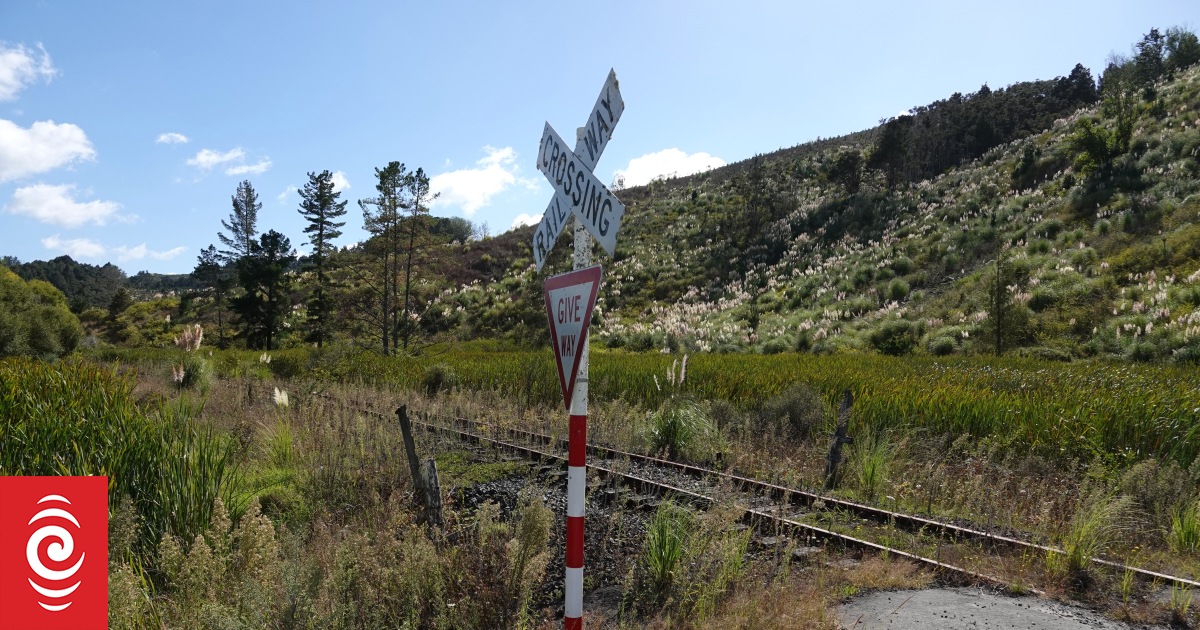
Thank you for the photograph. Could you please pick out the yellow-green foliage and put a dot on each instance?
(34, 318)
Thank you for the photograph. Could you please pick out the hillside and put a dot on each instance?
(777, 253)
(1053, 218)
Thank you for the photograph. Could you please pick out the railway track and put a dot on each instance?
(768, 506)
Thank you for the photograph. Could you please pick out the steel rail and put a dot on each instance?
(774, 491)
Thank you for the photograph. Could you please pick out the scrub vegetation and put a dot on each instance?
(1006, 281)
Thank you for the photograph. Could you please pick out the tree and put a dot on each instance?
(242, 224)
(319, 206)
(890, 153)
(213, 275)
(263, 275)
(381, 218)
(846, 171)
(1182, 49)
(34, 318)
(414, 226)
(398, 222)
(121, 300)
(1148, 63)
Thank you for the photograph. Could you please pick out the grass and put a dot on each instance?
(78, 418)
(332, 482)
(1100, 521)
(1072, 410)
(1185, 528)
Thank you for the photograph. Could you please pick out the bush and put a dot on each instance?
(798, 410)
(197, 373)
(34, 318)
(677, 427)
(1158, 489)
(895, 337)
(897, 290)
(941, 346)
(439, 377)
(1042, 299)
(288, 364)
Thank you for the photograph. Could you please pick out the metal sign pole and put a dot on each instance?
(598, 214)
(577, 462)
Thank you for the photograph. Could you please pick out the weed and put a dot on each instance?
(1181, 602)
(665, 539)
(872, 462)
(1099, 521)
(1185, 528)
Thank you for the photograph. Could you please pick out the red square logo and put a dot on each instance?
(53, 553)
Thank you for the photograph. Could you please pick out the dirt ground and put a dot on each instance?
(953, 608)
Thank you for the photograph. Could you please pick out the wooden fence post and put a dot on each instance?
(414, 465)
(839, 438)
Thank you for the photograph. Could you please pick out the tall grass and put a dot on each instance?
(1055, 409)
(664, 550)
(1185, 528)
(77, 418)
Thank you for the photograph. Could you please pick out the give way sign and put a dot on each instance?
(570, 299)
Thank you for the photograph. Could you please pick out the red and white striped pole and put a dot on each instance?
(576, 463)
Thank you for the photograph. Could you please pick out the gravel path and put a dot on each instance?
(953, 608)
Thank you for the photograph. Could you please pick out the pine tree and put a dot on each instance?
(242, 224)
(416, 228)
(319, 206)
(213, 275)
(263, 275)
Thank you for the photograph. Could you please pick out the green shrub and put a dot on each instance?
(897, 290)
(1157, 489)
(439, 377)
(666, 538)
(871, 462)
(942, 345)
(895, 337)
(1042, 299)
(34, 318)
(798, 410)
(197, 372)
(84, 421)
(289, 363)
(1185, 528)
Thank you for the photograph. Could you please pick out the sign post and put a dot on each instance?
(571, 297)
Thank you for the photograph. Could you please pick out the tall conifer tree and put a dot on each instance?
(319, 206)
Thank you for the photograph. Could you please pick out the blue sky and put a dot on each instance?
(125, 127)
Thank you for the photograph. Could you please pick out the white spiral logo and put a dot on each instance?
(59, 551)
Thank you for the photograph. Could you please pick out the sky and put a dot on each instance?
(126, 127)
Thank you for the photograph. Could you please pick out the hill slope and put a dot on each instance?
(779, 253)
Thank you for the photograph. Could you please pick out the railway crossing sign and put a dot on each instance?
(577, 192)
(570, 299)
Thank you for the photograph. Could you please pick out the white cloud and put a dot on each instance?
(56, 204)
(283, 196)
(340, 182)
(473, 188)
(171, 137)
(525, 219)
(20, 66)
(258, 168)
(88, 248)
(75, 247)
(44, 146)
(125, 254)
(666, 163)
(207, 158)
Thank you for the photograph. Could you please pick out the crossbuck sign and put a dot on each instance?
(577, 192)
(570, 298)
